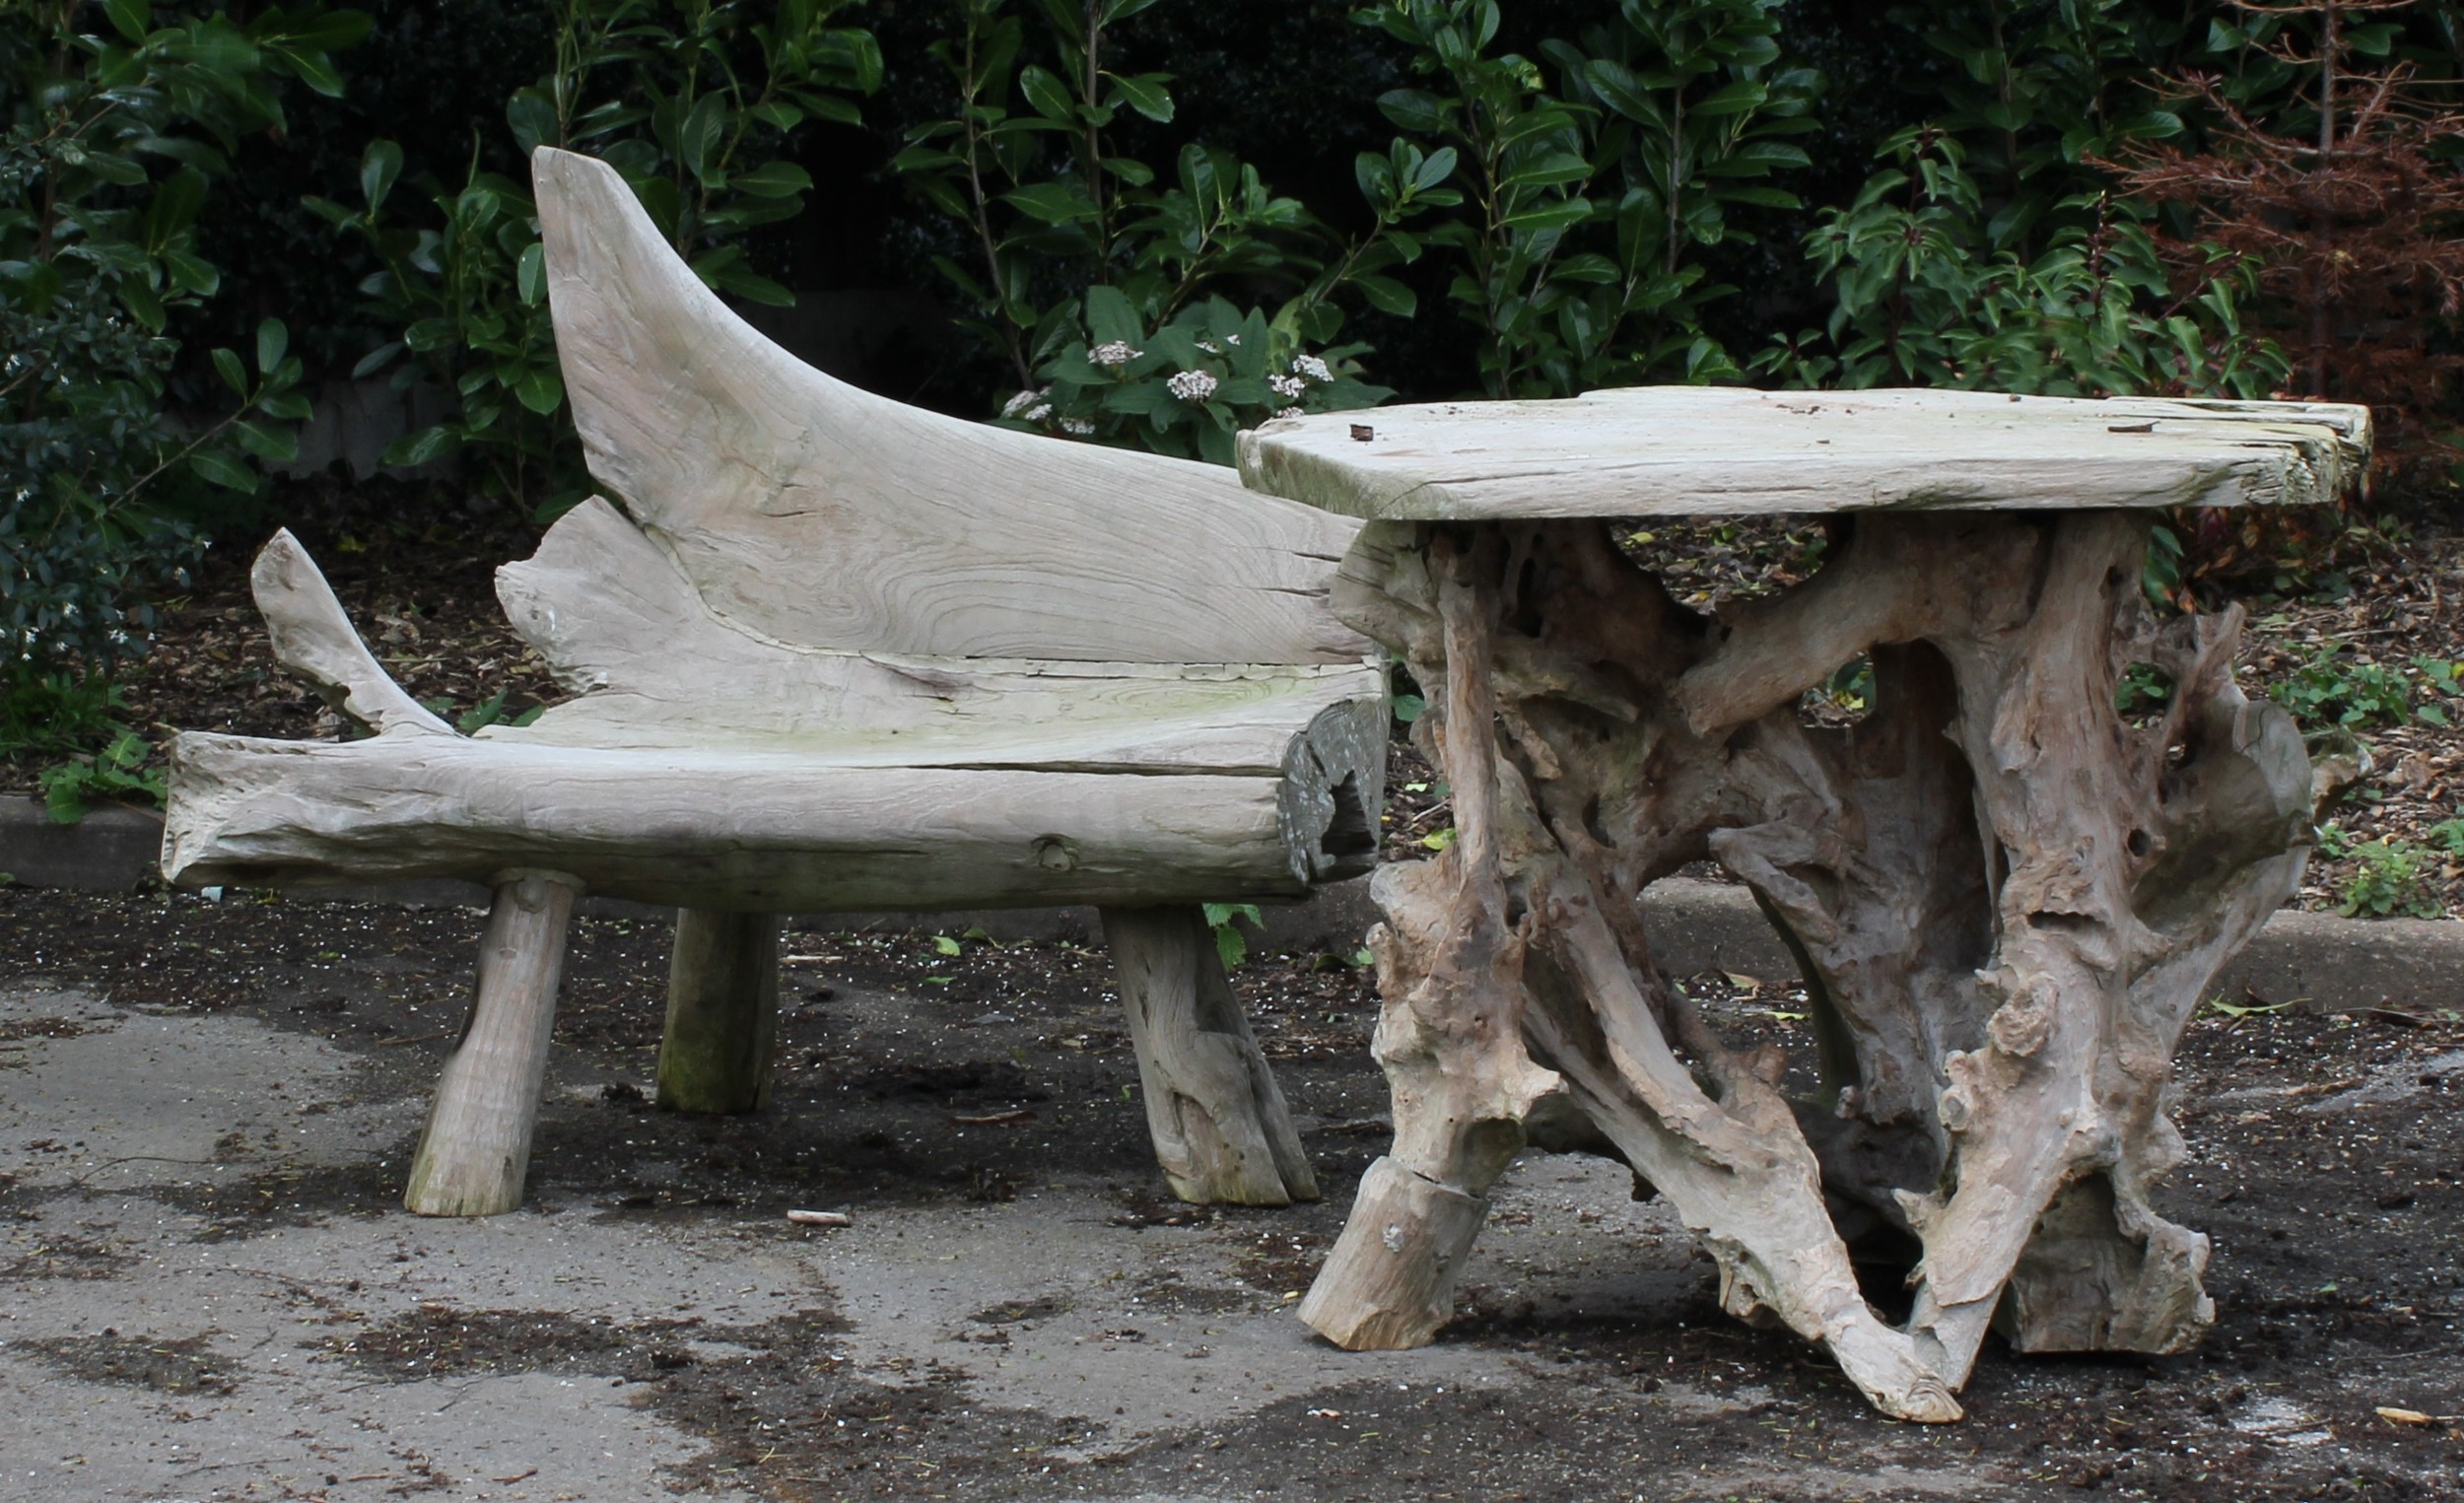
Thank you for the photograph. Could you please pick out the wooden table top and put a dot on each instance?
(1725, 452)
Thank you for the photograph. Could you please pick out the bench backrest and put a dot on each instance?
(808, 510)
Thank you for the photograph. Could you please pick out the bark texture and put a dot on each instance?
(2005, 897)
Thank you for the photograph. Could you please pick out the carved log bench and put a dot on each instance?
(831, 652)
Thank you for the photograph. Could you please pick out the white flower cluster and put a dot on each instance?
(1113, 354)
(1077, 426)
(1311, 367)
(1192, 386)
(1288, 387)
(1288, 411)
(1030, 405)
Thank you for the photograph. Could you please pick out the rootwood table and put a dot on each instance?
(2005, 894)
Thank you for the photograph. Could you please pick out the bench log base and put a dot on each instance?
(2006, 898)
(722, 1013)
(476, 1150)
(1222, 1134)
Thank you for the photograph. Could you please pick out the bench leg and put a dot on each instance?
(477, 1148)
(722, 1013)
(1222, 1133)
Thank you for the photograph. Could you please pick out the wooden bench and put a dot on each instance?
(831, 652)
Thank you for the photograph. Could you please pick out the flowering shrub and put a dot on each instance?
(1102, 282)
(1187, 388)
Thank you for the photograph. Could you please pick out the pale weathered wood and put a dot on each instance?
(312, 637)
(2007, 901)
(1389, 1281)
(1703, 451)
(1577, 832)
(2129, 864)
(722, 1012)
(1450, 966)
(622, 628)
(1222, 1134)
(808, 510)
(832, 652)
(476, 1150)
(761, 831)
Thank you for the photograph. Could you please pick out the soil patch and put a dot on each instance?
(183, 1366)
(32, 1255)
(440, 1342)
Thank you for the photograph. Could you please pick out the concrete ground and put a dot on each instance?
(208, 1289)
(150, 1351)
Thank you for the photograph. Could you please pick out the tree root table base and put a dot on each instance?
(2005, 893)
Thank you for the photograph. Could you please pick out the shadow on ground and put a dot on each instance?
(207, 1288)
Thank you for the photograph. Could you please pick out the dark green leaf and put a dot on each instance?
(1740, 98)
(530, 274)
(175, 206)
(1388, 296)
(420, 447)
(314, 69)
(774, 179)
(1548, 169)
(700, 136)
(750, 286)
(1054, 203)
(1110, 318)
(1550, 216)
(191, 274)
(143, 304)
(1768, 198)
(221, 469)
(540, 391)
(1146, 94)
(531, 114)
(279, 444)
(132, 19)
(1050, 96)
(1415, 109)
(380, 165)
